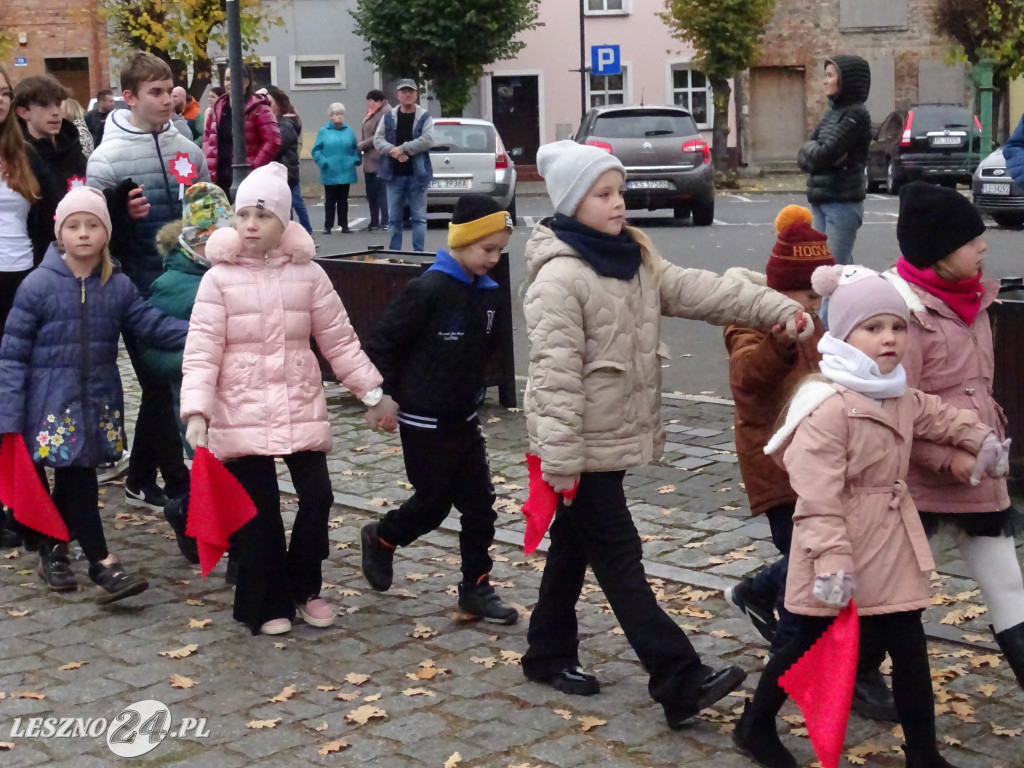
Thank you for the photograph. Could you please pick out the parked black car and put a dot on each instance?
(939, 143)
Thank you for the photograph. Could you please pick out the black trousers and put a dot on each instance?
(902, 635)
(446, 466)
(598, 530)
(274, 575)
(157, 442)
(9, 282)
(377, 199)
(76, 495)
(336, 198)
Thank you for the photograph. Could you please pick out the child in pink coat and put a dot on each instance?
(252, 391)
(846, 444)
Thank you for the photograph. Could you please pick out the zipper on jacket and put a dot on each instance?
(84, 346)
(81, 281)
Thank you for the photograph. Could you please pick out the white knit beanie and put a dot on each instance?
(267, 187)
(570, 169)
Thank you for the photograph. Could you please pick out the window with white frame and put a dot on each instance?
(607, 89)
(311, 72)
(599, 7)
(691, 91)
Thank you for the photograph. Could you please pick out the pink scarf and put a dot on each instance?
(963, 296)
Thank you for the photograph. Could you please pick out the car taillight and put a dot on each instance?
(698, 145)
(905, 138)
(600, 145)
(500, 157)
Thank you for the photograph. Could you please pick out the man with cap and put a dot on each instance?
(404, 138)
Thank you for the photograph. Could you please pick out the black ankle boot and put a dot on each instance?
(55, 567)
(760, 742)
(1011, 643)
(175, 515)
(872, 697)
(926, 758)
(479, 601)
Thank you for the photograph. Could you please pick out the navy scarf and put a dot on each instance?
(617, 256)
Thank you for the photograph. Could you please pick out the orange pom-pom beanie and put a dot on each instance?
(798, 251)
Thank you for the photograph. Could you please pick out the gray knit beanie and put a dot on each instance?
(570, 169)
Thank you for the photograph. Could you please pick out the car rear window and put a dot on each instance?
(643, 124)
(928, 119)
(456, 137)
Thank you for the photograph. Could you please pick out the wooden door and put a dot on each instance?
(777, 128)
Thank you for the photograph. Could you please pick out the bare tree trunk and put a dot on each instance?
(720, 126)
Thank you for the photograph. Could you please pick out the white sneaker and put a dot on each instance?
(113, 469)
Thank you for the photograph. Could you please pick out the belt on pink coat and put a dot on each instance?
(911, 520)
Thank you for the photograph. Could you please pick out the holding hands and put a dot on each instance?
(562, 484)
(383, 415)
(797, 327)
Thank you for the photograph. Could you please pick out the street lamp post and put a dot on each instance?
(583, 63)
(240, 166)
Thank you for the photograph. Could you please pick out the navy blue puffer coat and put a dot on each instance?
(59, 382)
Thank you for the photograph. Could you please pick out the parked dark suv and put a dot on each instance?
(932, 142)
(668, 163)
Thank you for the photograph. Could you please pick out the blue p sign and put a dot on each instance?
(604, 60)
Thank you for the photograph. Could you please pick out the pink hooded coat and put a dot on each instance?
(248, 366)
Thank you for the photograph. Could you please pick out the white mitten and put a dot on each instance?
(195, 431)
(989, 457)
(834, 588)
(799, 326)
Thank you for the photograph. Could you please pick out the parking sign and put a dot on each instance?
(604, 60)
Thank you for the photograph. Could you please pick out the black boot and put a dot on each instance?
(9, 537)
(760, 742)
(716, 685)
(55, 567)
(1011, 642)
(377, 559)
(926, 758)
(480, 601)
(872, 697)
(174, 514)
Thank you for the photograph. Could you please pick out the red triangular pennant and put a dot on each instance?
(21, 490)
(540, 505)
(821, 684)
(218, 506)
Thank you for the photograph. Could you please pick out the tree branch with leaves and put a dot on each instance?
(726, 38)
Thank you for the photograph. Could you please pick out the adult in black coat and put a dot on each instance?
(836, 153)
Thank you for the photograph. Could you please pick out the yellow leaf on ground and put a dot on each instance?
(721, 633)
(27, 695)
(72, 665)
(422, 632)
(327, 687)
(666, 489)
(487, 661)
(416, 576)
(999, 730)
(987, 690)
(511, 657)
(181, 653)
(286, 693)
(976, 638)
(360, 448)
(194, 602)
(374, 697)
(356, 678)
(586, 723)
(426, 673)
(18, 614)
(199, 623)
(351, 696)
(565, 714)
(6, 746)
(365, 713)
(979, 661)
(417, 692)
(180, 681)
(950, 741)
(379, 501)
(321, 727)
(452, 761)
(333, 746)
(280, 645)
(264, 723)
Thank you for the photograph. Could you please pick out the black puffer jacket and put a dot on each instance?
(288, 155)
(837, 151)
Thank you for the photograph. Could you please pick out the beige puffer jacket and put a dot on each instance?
(593, 398)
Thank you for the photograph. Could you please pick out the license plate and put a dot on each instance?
(450, 184)
(648, 184)
(946, 141)
(995, 189)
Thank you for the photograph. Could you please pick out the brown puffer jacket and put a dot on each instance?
(593, 398)
(763, 375)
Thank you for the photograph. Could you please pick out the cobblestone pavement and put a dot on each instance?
(434, 691)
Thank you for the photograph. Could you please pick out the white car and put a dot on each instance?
(469, 156)
(996, 194)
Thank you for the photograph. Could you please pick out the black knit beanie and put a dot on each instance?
(473, 206)
(934, 221)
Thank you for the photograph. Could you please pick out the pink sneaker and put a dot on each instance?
(276, 627)
(316, 612)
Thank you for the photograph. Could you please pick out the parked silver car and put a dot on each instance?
(996, 194)
(667, 160)
(469, 156)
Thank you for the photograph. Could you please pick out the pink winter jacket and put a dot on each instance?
(947, 358)
(846, 460)
(248, 367)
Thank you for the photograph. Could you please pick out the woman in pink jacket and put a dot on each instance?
(251, 379)
(950, 355)
(846, 444)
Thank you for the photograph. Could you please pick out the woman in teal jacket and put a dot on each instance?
(336, 153)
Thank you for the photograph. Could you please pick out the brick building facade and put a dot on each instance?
(65, 38)
(782, 97)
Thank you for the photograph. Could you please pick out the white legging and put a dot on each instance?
(993, 562)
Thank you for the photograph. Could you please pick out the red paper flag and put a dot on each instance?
(218, 506)
(540, 505)
(821, 684)
(22, 491)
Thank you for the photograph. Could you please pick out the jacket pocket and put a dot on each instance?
(606, 385)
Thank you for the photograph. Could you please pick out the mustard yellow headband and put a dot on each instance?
(471, 231)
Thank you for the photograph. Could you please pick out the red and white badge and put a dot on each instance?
(184, 171)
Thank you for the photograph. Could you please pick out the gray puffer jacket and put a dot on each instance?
(593, 398)
(837, 151)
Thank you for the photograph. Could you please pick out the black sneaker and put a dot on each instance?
(176, 519)
(762, 745)
(377, 559)
(716, 686)
(55, 568)
(147, 496)
(480, 601)
(760, 614)
(571, 680)
(872, 697)
(115, 583)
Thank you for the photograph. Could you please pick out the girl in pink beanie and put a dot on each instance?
(252, 391)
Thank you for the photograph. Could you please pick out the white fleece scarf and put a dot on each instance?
(845, 364)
